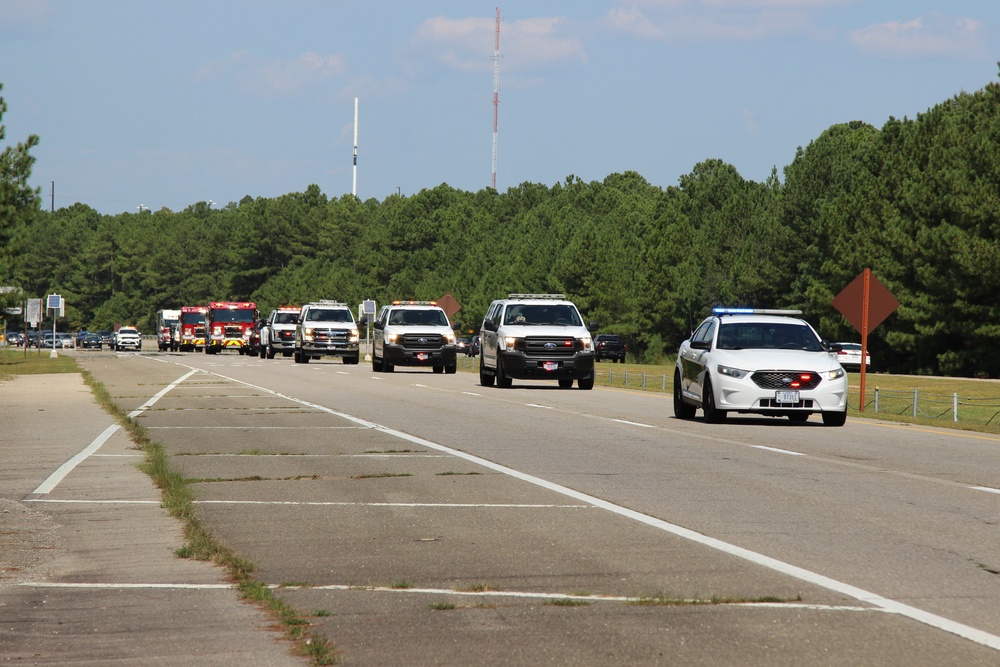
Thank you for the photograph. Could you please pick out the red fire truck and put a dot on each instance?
(229, 324)
(191, 328)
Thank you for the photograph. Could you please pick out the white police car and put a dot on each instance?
(760, 362)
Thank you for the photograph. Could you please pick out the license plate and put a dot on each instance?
(422, 356)
(786, 397)
(551, 365)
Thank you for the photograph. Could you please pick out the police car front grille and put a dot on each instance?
(550, 346)
(285, 335)
(415, 341)
(785, 379)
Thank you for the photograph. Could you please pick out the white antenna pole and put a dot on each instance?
(354, 188)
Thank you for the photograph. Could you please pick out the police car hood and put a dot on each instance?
(776, 360)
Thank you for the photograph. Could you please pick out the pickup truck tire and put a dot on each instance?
(439, 369)
(270, 351)
(451, 370)
(504, 381)
(565, 383)
(485, 379)
(586, 383)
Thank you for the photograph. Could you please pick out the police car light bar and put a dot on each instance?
(560, 297)
(754, 311)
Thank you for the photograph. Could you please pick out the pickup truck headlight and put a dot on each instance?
(307, 334)
(354, 337)
(391, 338)
(587, 344)
(449, 339)
(510, 342)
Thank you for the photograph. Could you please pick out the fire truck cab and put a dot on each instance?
(191, 328)
(229, 324)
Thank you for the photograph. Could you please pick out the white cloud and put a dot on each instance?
(930, 35)
(723, 20)
(274, 77)
(527, 44)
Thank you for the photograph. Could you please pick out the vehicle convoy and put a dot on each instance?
(413, 333)
(278, 335)
(536, 337)
(166, 326)
(609, 346)
(191, 330)
(763, 362)
(229, 324)
(128, 338)
(326, 328)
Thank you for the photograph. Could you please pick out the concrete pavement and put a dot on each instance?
(88, 573)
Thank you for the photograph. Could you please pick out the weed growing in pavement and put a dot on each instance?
(379, 475)
(319, 613)
(444, 606)
(459, 473)
(402, 584)
(567, 602)
(178, 500)
(477, 588)
(715, 599)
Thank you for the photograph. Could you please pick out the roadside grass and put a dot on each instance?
(34, 362)
(178, 500)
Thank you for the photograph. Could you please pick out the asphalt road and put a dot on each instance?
(425, 520)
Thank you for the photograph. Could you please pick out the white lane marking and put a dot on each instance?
(419, 385)
(375, 377)
(779, 451)
(332, 503)
(536, 405)
(443, 591)
(985, 488)
(889, 605)
(625, 421)
(470, 393)
(342, 373)
(93, 502)
(60, 474)
(255, 428)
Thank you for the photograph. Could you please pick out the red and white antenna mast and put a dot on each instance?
(496, 97)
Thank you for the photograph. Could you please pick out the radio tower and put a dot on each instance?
(496, 97)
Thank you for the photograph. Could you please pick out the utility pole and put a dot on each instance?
(354, 188)
(52, 201)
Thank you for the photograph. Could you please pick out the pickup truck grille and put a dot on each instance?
(285, 334)
(550, 346)
(784, 379)
(418, 341)
(332, 335)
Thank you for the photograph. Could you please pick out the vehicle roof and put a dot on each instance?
(762, 319)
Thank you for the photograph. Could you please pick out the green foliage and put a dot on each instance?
(917, 201)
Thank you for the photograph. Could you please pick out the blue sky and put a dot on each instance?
(166, 104)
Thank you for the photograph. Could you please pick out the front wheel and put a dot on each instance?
(485, 379)
(834, 418)
(586, 383)
(565, 383)
(451, 370)
(713, 415)
(682, 410)
(504, 381)
(439, 369)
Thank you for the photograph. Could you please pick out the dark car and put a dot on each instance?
(473, 350)
(15, 339)
(107, 337)
(90, 341)
(609, 346)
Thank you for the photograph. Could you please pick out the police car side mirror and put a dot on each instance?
(832, 347)
(699, 345)
(593, 326)
(490, 325)
(378, 325)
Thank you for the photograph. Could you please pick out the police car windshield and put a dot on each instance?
(414, 316)
(767, 336)
(542, 315)
(286, 318)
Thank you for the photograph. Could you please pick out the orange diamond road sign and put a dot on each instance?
(449, 305)
(865, 303)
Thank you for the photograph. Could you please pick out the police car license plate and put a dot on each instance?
(786, 397)
(422, 356)
(551, 365)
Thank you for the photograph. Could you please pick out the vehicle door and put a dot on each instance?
(488, 335)
(694, 358)
(378, 336)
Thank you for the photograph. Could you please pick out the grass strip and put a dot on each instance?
(178, 500)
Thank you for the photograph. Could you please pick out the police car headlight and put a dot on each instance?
(729, 371)
(307, 334)
(835, 375)
(587, 344)
(354, 337)
(509, 342)
(391, 338)
(449, 339)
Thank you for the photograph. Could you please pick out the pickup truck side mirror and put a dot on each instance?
(490, 325)
(593, 326)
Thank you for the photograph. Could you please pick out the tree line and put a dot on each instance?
(917, 201)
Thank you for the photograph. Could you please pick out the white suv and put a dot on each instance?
(761, 362)
(278, 335)
(326, 328)
(413, 333)
(128, 338)
(537, 337)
